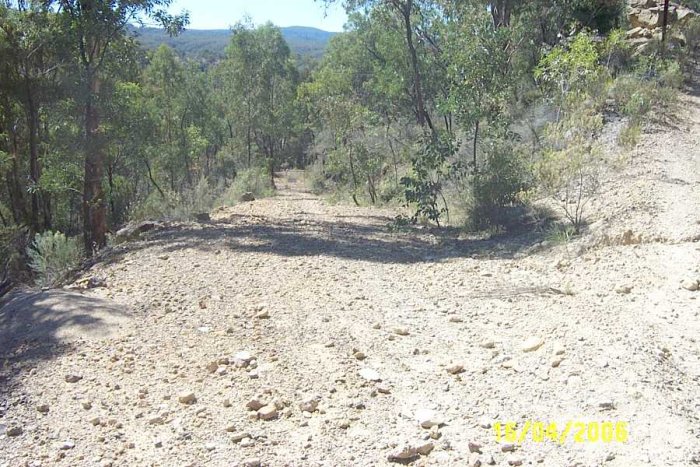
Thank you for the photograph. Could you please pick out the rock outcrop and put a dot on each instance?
(646, 18)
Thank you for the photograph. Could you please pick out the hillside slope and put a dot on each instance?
(302, 40)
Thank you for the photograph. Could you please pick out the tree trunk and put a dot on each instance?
(94, 211)
(476, 140)
(665, 21)
(421, 114)
(34, 170)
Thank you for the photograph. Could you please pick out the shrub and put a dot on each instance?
(497, 187)
(629, 135)
(52, 256)
(254, 180)
(570, 165)
(177, 206)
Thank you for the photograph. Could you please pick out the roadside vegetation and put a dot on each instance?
(466, 113)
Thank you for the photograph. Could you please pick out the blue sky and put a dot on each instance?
(220, 14)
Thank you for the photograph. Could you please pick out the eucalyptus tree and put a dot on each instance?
(259, 81)
(94, 26)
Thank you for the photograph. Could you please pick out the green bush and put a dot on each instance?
(629, 135)
(52, 256)
(177, 206)
(254, 180)
(497, 188)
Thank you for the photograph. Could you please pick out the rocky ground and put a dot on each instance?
(288, 331)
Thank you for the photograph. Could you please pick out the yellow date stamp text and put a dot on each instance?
(578, 432)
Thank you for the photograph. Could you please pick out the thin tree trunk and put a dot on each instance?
(422, 115)
(665, 21)
(34, 170)
(476, 140)
(94, 210)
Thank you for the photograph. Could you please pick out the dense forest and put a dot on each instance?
(464, 111)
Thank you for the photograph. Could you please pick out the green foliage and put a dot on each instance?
(570, 165)
(52, 256)
(560, 234)
(423, 186)
(498, 186)
(255, 180)
(571, 73)
(629, 135)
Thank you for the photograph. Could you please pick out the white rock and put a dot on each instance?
(268, 412)
(690, 284)
(532, 344)
(370, 374)
(427, 418)
(488, 344)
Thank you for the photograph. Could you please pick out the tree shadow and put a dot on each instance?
(41, 325)
(370, 240)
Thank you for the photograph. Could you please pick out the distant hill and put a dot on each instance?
(304, 41)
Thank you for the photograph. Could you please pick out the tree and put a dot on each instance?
(259, 80)
(95, 25)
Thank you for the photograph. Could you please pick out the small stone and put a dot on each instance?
(242, 359)
(252, 462)
(370, 374)
(156, 421)
(557, 361)
(455, 369)
(344, 424)
(515, 461)
(212, 367)
(691, 285)
(67, 445)
(402, 453)
(475, 447)
(95, 421)
(247, 442)
(474, 460)
(559, 349)
(255, 404)
(227, 403)
(310, 404)
(43, 408)
(14, 431)
(425, 448)
(427, 418)
(383, 389)
(508, 447)
(532, 344)
(73, 378)
(186, 397)
(456, 319)
(210, 446)
(488, 344)
(490, 460)
(401, 331)
(623, 289)
(263, 315)
(376, 326)
(240, 436)
(87, 405)
(158, 443)
(359, 355)
(269, 412)
(606, 405)
(435, 432)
